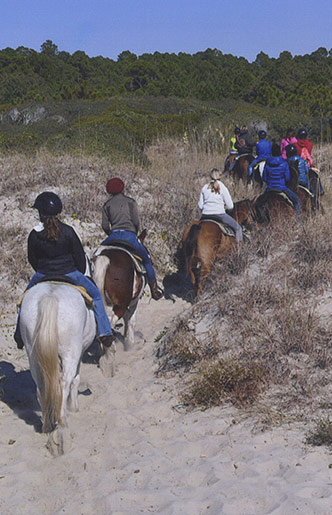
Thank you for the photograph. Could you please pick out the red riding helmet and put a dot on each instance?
(115, 185)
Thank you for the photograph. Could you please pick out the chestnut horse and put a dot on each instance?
(204, 241)
(122, 285)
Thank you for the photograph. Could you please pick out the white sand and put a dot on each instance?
(133, 453)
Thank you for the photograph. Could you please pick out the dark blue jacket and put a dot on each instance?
(263, 149)
(302, 167)
(276, 173)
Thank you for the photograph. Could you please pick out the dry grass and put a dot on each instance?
(228, 379)
(266, 306)
(321, 434)
(266, 333)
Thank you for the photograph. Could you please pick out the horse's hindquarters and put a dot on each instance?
(56, 328)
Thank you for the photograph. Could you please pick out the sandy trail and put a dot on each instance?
(132, 452)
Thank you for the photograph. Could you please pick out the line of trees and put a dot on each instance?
(303, 83)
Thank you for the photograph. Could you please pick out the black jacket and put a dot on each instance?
(56, 257)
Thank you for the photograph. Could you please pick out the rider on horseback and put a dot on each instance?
(263, 151)
(54, 249)
(233, 151)
(213, 198)
(120, 221)
(304, 146)
(303, 168)
(276, 174)
(244, 145)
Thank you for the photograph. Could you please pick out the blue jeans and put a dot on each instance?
(103, 323)
(294, 198)
(140, 250)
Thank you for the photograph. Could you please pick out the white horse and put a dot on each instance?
(56, 327)
(122, 286)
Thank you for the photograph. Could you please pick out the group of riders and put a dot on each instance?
(56, 252)
(275, 161)
(294, 151)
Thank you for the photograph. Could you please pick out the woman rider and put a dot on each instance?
(54, 249)
(213, 199)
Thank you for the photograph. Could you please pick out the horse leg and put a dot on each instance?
(204, 273)
(106, 362)
(73, 394)
(129, 330)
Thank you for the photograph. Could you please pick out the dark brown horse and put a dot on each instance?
(240, 169)
(273, 206)
(122, 285)
(310, 199)
(203, 242)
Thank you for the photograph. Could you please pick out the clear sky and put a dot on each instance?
(108, 27)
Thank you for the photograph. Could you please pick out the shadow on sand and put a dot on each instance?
(18, 391)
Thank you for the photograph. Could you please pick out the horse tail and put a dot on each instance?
(46, 342)
(190, 246)
(100, 267)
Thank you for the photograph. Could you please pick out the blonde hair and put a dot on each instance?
(214, 184)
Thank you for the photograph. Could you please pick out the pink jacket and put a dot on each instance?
(284, 143)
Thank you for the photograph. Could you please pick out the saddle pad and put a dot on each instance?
(260, 167)
(138, 262)
(306, 190)
(224, 228)
(283, 195)
(87, 298)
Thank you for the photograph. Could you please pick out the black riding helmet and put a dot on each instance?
(237, 130)
(291, 150)
(262, 134)
(302, 133)
(48, 204)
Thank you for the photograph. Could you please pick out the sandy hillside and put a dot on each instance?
(135, 451)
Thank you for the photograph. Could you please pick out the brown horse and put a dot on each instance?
(203, 242)
(310, 199)
(122, 285)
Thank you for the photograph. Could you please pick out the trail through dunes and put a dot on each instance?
(133, 451)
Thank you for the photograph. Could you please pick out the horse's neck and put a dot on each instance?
(241, 211)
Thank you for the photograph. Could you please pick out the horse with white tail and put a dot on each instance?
(56, 327)
(121, 279)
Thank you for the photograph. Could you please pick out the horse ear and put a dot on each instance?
(142, 235)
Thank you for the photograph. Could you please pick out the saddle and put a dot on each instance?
(61, 279)
(125, 247)
(259, 167)
(283, 196)
(223, 227)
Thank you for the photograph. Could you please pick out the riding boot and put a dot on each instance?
(107, 339)
(18, 338)
(156, 293)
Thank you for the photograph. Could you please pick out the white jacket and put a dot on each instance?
(212, 203)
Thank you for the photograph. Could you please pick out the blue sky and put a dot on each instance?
(107, 27)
